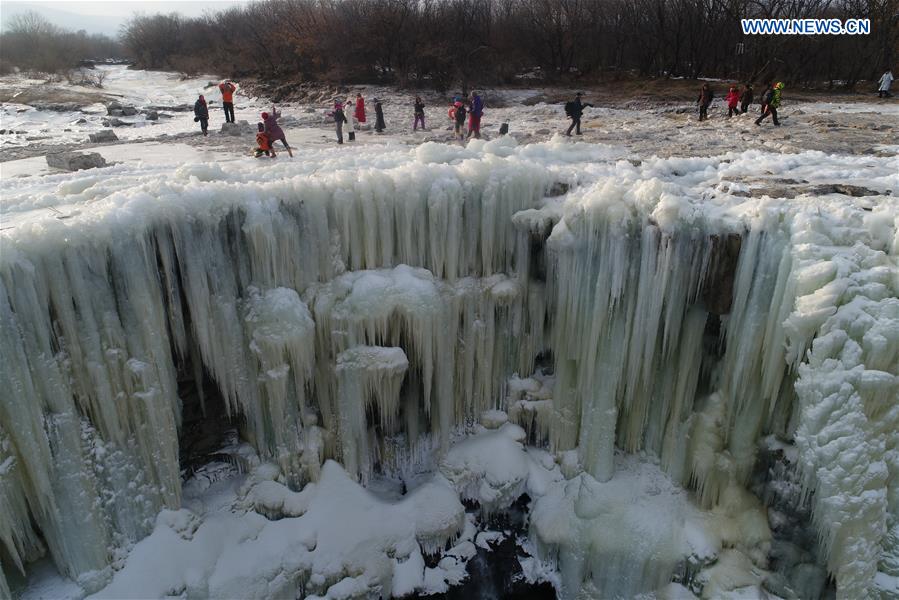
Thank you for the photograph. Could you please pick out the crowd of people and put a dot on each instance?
(471, 107)
(738, 101)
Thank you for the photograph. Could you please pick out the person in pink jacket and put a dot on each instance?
(732, 99)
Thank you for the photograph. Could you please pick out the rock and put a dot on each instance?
(111, 106)
(75, 161)
(113, 122)
(80, 121)
(809, 580)
(129, 111)
(718, 289)
(116, 112)
(175, 108)
(856, 191)
(152, 115)
(542, 132)
(107, 135)
(558, 188)
(235, 128)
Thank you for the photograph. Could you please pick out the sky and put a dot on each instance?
(105, 16)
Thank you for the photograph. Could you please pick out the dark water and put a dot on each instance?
(496, 575)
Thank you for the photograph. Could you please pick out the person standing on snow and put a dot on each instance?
(706, 95)
(360, 108)
(339, 120)
(886, 81)
(419, 114)
(201, 114)
(732, 98)
(746, 98)
(228, 88)
(474, 115)
(765, 94)
(457, 114)
(380, 126)
(273, 130)
(771, 101)
(574, 110)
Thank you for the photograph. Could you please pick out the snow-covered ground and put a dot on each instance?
(702, 290)
(168, 94)
(643, 128)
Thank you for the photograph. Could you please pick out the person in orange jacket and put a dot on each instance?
(228, 88)
(264, 145)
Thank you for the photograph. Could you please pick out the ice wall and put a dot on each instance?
(365, 313)
(188, 277)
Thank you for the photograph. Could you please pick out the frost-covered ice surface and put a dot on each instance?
(611, 337)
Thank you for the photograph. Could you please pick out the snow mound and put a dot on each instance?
(331, 539)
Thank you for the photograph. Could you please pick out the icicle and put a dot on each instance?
(368, 377)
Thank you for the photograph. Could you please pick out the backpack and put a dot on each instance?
(570, 108)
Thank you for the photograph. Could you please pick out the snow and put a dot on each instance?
(310, 546)
(386, 308)
(136, 88)
(489, 468)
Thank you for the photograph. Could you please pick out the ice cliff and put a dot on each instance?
(369, 309)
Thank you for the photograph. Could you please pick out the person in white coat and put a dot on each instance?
(886, 80)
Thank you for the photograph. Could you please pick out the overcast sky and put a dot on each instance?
(105, 16)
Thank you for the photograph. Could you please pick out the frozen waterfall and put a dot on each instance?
(369, 313)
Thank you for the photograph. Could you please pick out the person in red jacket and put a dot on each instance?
(360, 109)
(732, 98)
(228, 88)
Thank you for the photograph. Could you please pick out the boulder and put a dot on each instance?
(75, 161)
(113, 122)
(238, 128)
(129, 111)
(107, 135)
(152, 115)
(113, 105)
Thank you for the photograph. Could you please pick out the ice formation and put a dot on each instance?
(372, 309)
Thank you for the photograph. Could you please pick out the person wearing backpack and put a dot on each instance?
(771, 102)
(457, 113)
(574, 110)
(706, 95)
